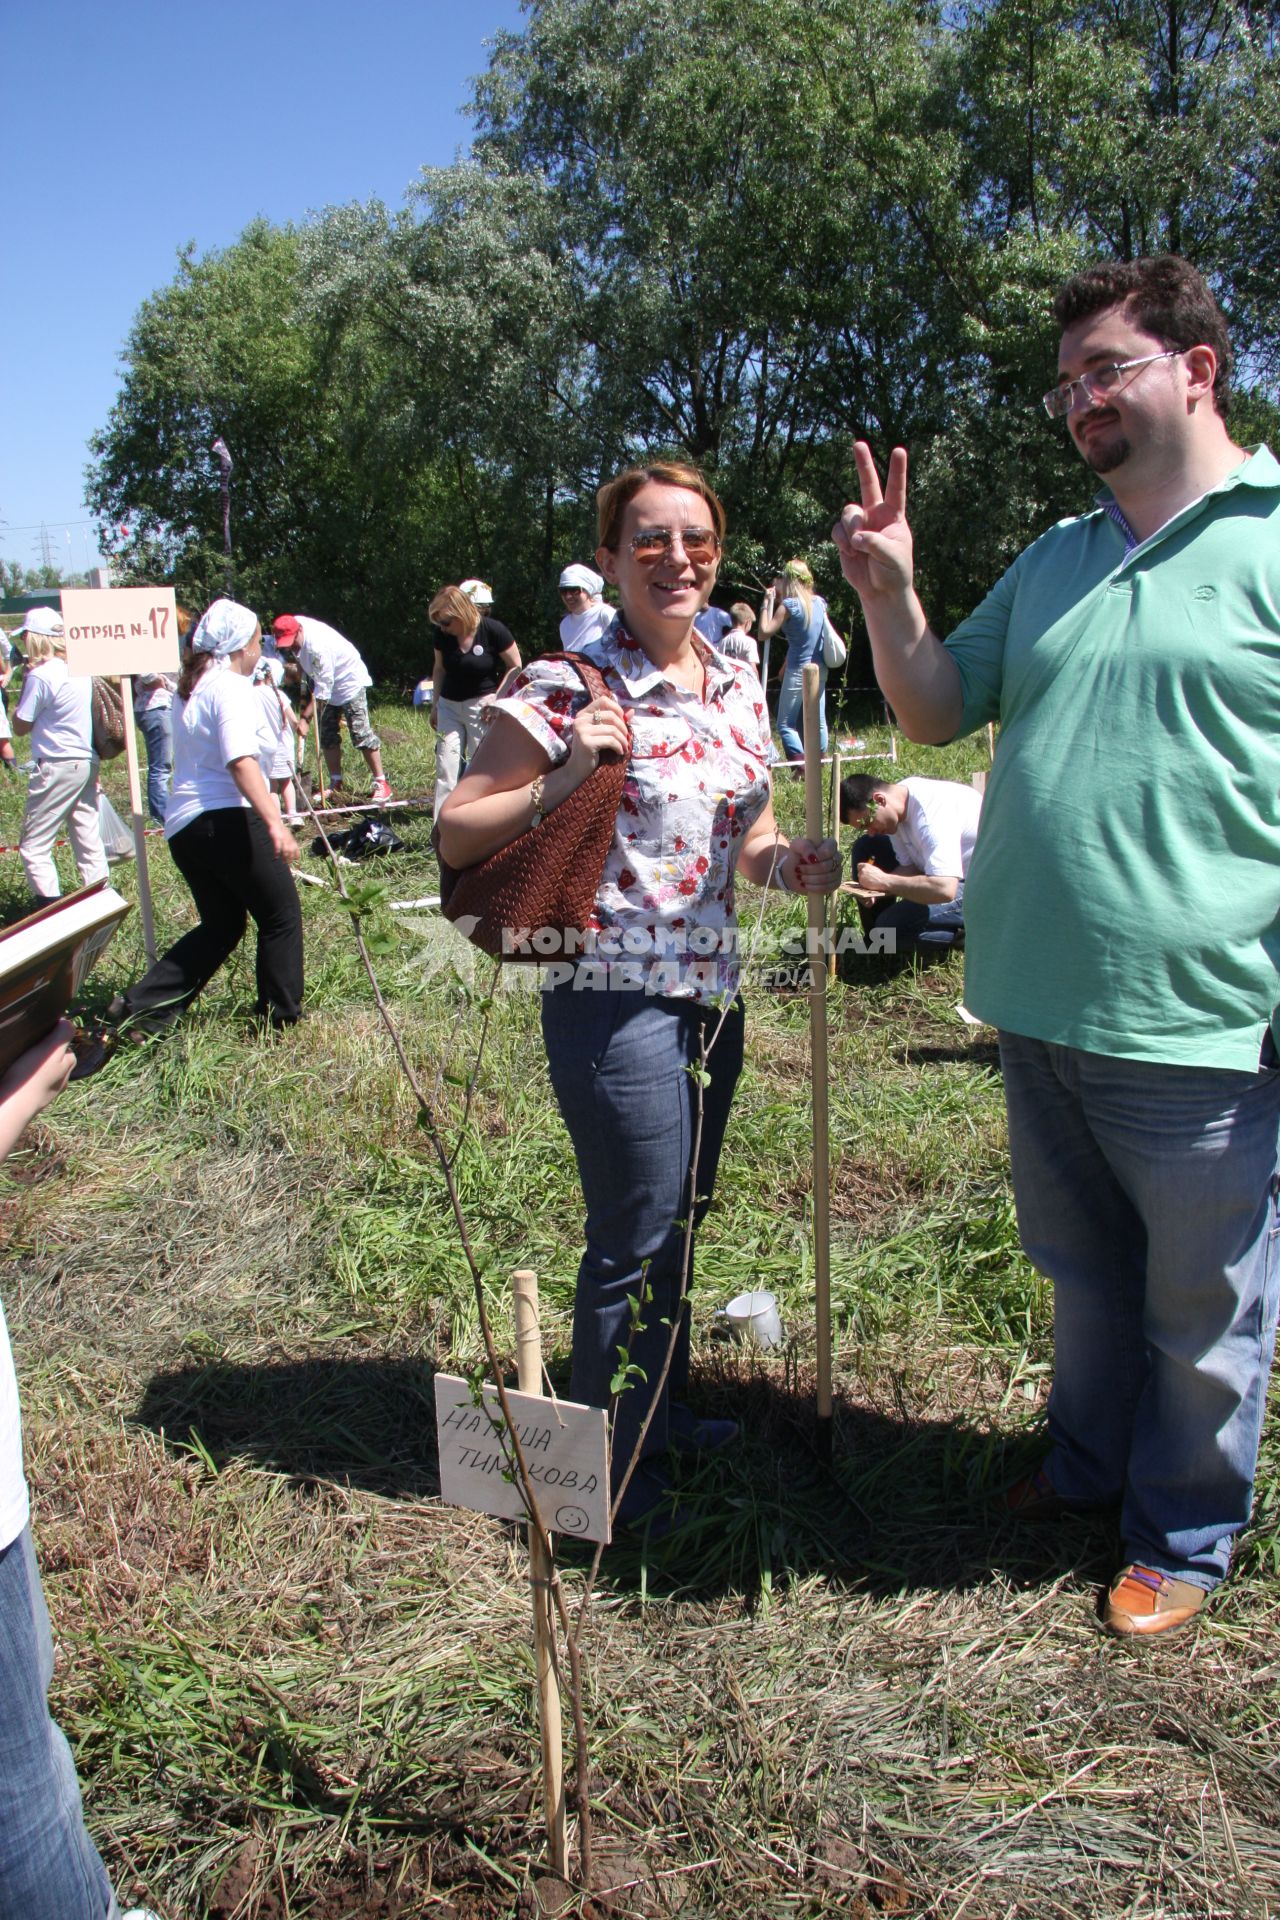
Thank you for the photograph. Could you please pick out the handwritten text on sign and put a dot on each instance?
(564, 1446)
(121, 630)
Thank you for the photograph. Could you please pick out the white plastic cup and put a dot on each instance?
(753, 1318)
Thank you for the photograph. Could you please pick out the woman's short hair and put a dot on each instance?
(451, 603)
(616, 495)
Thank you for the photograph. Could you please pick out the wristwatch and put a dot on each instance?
(535, 794)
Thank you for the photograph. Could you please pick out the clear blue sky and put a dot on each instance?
(130, 130)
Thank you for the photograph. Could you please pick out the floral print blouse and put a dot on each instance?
(697, 781)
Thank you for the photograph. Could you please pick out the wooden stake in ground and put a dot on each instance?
(835, 835)
(529, 1377)
(322, 785)
(139, 822)
(818, 1060)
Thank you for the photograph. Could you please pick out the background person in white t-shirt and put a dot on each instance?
(55, 710)
(227, 839)
(339, 680)
(8, 760)
(587, 615)
(913, 854)
(268, 680)
(737, 643)
(49, 1867)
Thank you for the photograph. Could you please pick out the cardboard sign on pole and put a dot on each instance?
(115, 630)
(564, 1444)
(119, 632)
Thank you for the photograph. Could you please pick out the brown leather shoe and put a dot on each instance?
(1144, 1601)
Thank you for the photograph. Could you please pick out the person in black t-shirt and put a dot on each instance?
(472, 656)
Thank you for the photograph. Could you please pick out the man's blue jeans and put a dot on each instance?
(791, 711)
(619, 1064)
(49, 1867)
(1147, 1193)
(157, 731)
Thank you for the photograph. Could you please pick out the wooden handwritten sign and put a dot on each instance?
(564, 1445)
(114, 630)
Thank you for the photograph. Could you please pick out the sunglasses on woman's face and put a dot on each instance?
(652, 544)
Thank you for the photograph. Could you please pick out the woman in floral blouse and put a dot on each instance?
(658, 995)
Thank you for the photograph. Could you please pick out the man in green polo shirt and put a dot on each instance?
(1121, 908)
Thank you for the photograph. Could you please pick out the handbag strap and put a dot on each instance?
(592, 679)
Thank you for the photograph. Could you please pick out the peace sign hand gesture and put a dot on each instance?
(874, 540)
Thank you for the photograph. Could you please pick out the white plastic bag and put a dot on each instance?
(834, 650)
(116, 837)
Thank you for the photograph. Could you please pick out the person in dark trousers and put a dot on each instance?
(912, 855)
(226, 836)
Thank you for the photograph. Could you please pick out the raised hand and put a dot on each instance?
(873, 539)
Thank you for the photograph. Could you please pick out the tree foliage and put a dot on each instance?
(737, 230)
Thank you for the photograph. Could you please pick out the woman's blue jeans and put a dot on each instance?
(620, 1066)
(791, 711)
(157, 731)
(49, 1867)
(1147, 1193)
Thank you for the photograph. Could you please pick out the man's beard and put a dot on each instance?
(1106, 455)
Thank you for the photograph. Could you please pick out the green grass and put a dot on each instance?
(298, 1684)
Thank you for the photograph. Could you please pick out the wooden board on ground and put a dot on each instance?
(565, 1447)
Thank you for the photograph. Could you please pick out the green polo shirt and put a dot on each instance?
(1124, 895)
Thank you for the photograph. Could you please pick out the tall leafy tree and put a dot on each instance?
(737, 230)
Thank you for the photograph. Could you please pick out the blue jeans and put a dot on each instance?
(1147, 1193)
(157, 731)
(619, 1065)
(791, 710)
(49, 1867)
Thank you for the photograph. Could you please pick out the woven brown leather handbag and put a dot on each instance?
(549, 877)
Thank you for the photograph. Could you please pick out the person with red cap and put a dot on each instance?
(339, 678)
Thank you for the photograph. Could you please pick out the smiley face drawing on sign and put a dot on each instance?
(571, 1520)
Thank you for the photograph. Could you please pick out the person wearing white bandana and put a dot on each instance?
(226, 836)
(587, 616)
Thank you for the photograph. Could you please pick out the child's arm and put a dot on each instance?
(35, 1079)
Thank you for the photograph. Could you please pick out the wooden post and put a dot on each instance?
(834, 835)
(321, 769)
(139, 822)
(991, 740)
(818, 1063)
(529, 1375)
